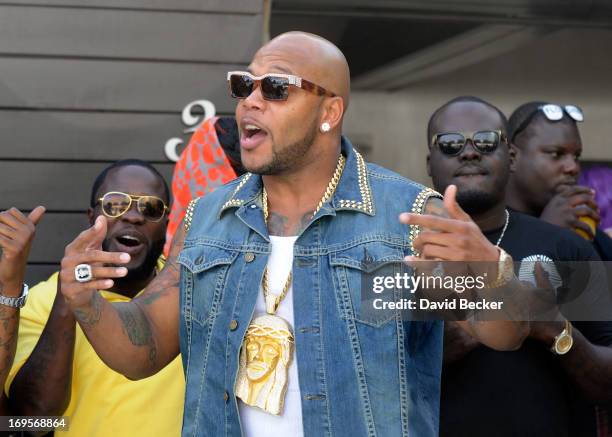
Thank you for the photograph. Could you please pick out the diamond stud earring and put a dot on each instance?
(325, 127)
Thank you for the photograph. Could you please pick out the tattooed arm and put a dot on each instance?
(9, 323)
(42, 386)
(16, 236)
(136, 338)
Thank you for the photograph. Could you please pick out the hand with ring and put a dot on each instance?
(83, 273)
(87, 268)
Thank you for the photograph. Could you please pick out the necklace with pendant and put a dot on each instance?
(267, 349)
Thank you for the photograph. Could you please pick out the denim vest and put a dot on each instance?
(357, 376)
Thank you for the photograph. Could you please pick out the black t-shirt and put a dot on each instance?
(603, 245)
(524, 392)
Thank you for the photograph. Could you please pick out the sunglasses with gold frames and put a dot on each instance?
(115, 203)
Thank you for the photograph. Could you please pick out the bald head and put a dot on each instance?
(311, 57)
(305, 128)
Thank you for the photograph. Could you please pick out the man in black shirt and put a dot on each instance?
(544, 180)
(532, 391)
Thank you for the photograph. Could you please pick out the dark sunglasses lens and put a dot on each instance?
(241, 86)
(115, 204)
(151, 208)
(450, 144)
(275, 88)
(486, 142)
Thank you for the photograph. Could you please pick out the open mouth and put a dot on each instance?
(250, 130)
(251, 135)
(130, 242)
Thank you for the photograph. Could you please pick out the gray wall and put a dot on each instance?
(87, 82)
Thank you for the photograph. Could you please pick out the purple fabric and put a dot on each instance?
(600, 179)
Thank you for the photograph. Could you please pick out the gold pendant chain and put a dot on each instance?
(329, 191)
(272, 306)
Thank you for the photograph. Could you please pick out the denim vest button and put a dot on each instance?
(233, 325)
(249, 256)
(225, 396)
(200, 259)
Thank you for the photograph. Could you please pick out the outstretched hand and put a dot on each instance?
(87, 249)
(16, 235)
(452, 238)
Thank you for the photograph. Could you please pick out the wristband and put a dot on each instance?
(16, 302)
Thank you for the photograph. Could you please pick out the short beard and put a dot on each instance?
(286, 158)
(476, 202)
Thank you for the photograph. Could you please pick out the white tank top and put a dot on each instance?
(255, 422)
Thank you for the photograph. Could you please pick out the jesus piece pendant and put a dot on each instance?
(264, 363)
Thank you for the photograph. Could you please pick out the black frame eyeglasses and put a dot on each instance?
(453, 143)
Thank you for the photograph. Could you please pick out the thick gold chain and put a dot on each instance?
(278, 299)
(329, 191)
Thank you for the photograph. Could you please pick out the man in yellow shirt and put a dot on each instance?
(56, 372)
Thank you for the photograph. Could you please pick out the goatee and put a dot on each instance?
(476, 202)
(287, 157)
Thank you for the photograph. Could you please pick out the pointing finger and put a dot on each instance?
(100, 227)
(432, 222)
(90, 238)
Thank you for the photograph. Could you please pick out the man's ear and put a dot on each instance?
(428, 161)
(514, 153)
(333, 110)
(90, 216)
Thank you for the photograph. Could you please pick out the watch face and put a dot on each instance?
(564, 344)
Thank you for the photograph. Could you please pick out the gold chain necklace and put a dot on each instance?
(272, 304)
(262, 380)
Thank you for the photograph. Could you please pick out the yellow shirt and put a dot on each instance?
(103, 402)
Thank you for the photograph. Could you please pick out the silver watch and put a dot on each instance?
(15, 302)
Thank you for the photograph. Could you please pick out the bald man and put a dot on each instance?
(261, 292)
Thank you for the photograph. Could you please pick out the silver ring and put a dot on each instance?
(83, 273)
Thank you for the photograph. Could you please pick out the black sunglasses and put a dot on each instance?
(452, 143)
(274, 86)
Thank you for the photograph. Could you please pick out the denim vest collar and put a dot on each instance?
(353, 191)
